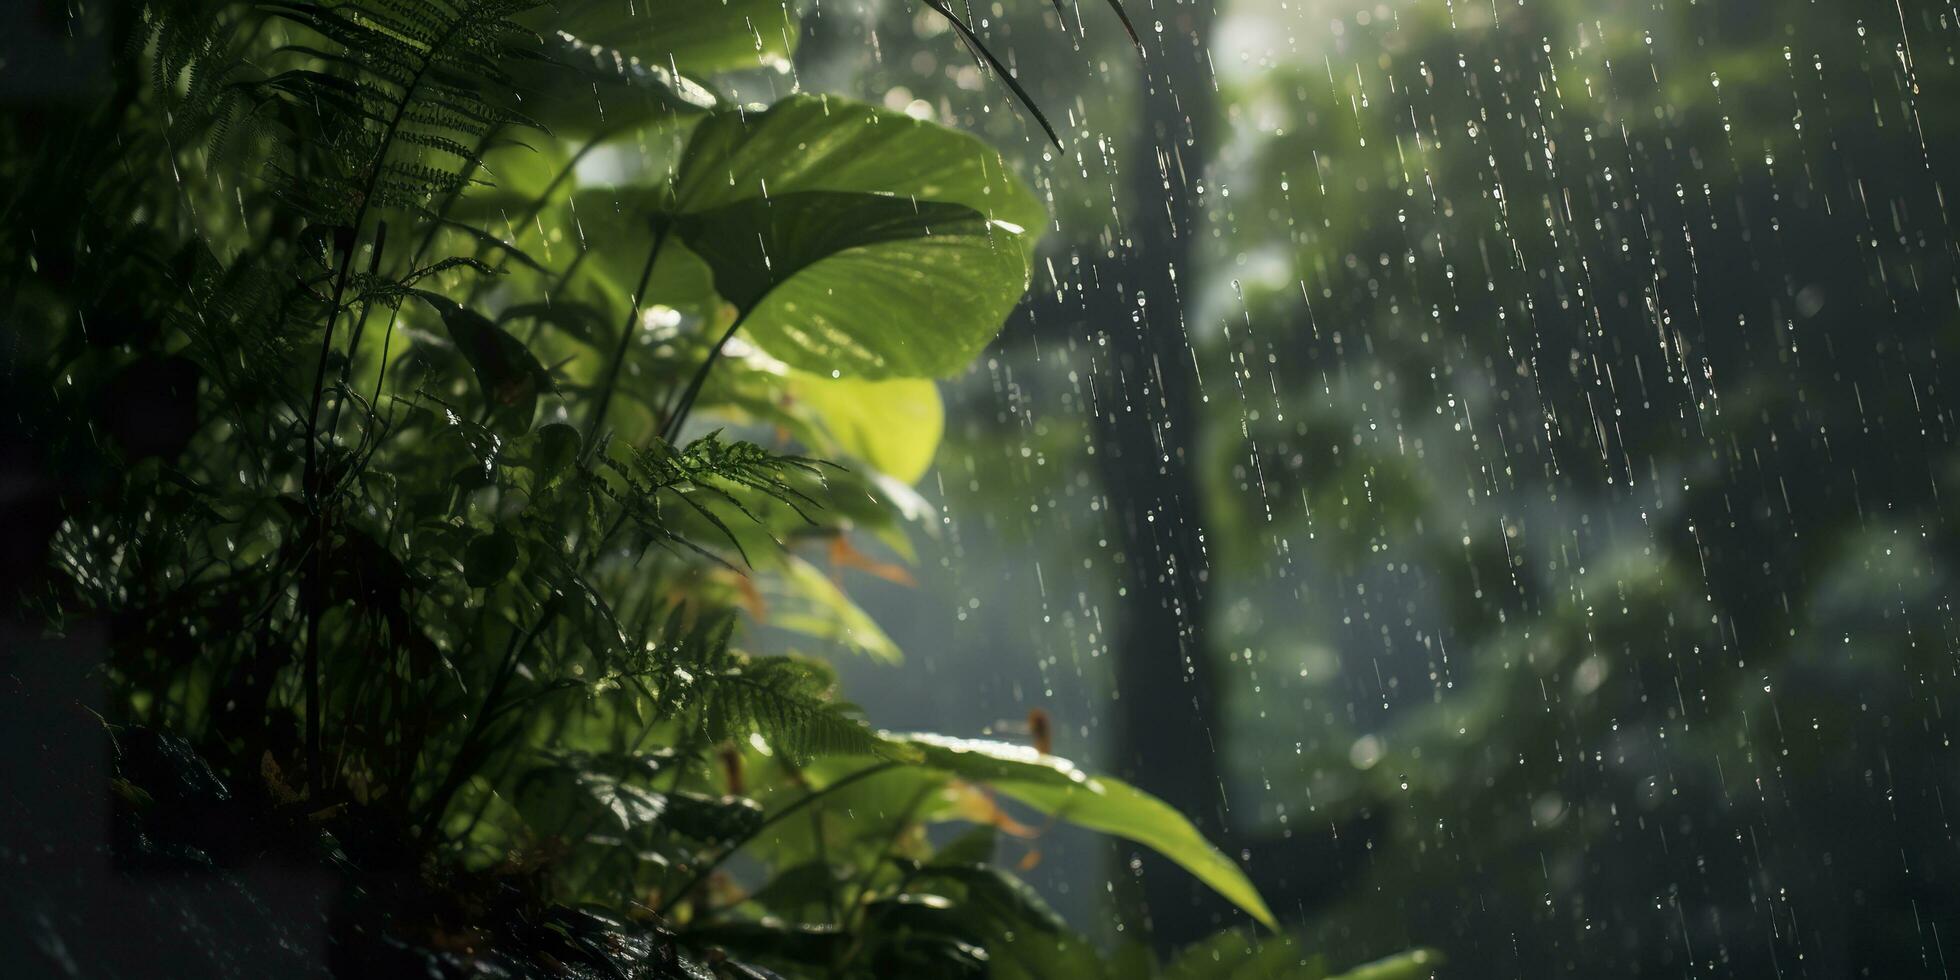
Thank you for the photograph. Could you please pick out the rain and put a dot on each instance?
(1485, 464)
(1486, 460)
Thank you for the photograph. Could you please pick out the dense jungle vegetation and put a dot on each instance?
(419, 481)
(1299, 488)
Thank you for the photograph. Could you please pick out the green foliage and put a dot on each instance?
(1229, 955)
(723, 696)
(698, 38)
(894, 425)
(837, 231)
(1054, 787)
(419, 536)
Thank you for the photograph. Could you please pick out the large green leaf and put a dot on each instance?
(985, 761)
(825, 143)
(615, 232)
(856, 241)
(507, 373)
(851, 240)
(1056, 787)
(699, 37)
(892, 425)
(582, 88)
(860, 284)
(1115, 807)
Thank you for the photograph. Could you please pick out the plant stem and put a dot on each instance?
(471, 747)
(626, 334)
(673, 428)
(315, 608)
(767, 822)
(360, 327)
(316, 604)
(307, 486)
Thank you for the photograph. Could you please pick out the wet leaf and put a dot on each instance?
(701, 37)
(857, 241)
(508, 374)
(894, 426)
(1056, 787)
(489, 558)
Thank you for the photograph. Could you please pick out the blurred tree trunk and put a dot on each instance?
(1166, 717)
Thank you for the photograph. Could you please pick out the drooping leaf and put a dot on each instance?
(853, 241)
(825, 143)
(1056, 787)
(585, 88)
(1115, 807)
(859, 284)
(988, 761)
(700, 37)
(507, 373)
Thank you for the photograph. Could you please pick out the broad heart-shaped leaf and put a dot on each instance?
(699, 37)
(1056, 787)
(825, 143)
(837, 225)
(856, 241)
(870, 286)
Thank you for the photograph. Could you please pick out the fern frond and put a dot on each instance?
(383, 103)
(721, 694)
(707, 467)
(787, 702)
